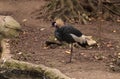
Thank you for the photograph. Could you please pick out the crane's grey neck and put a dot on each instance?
(57, 27)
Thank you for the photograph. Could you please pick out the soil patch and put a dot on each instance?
(30, 46)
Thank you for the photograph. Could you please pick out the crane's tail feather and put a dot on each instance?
(83, 39)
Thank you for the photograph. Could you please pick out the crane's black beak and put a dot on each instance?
(53, 24)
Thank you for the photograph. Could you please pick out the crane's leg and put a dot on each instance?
(0, 47)
(71, 52)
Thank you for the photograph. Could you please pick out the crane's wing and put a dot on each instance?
(84, 39)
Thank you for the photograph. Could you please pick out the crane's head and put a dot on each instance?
(58, 23)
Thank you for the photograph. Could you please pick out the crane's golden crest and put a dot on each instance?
(59, 22)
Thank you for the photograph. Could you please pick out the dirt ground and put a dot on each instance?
(91, 63)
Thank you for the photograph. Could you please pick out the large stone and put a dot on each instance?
(11, 23)
(9, 27)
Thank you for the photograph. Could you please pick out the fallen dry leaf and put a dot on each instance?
(119, 54)
(45, 47)
(20, 53)
(109, 45)
(118, 20)
(55, 39)
(68, 52)
(99, 57)
(62, 61)
(117, 46)
(42, 29)
(114, 31)
(24, 32)
(82, 53)
(24, 20)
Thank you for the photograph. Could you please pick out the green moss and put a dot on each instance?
(47, 72)
(16, 65)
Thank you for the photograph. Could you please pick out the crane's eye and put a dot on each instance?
(53, 24)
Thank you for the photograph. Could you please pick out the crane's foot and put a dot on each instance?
(71, 53)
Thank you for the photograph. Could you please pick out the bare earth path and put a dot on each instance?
(31, 44)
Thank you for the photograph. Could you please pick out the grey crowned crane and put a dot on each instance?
(69, 34)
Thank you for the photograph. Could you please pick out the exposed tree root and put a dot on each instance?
(8, 63)
(79, 10)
